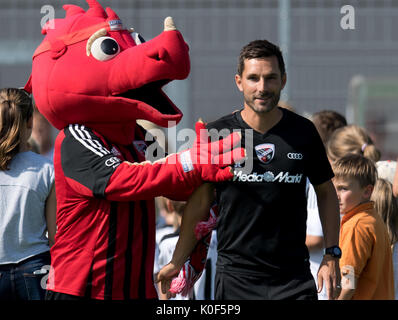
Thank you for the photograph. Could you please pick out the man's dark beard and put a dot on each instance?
(274, 100)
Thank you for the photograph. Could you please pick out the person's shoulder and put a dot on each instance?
(374, 221)
(298, 123)
(297, 118)
(364, 222)
(168, 241)
(34, 165)
(81, 140)
(223, 122)
(80, 132)
(37, 159)
(171, 234)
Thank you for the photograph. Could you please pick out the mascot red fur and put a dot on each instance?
(92, 79)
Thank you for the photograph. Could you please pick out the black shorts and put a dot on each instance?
(238, 286)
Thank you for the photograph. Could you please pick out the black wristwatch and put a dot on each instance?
(334, 251)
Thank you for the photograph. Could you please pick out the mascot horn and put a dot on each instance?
(92, 79)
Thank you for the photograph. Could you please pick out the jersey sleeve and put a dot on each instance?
(48, 177)
(86, 162)
(318, 166)
(91, 169)
(146, 180)
(356, 246)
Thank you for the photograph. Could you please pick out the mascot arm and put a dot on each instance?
(177, 175)
(146, 180)
(92, 170)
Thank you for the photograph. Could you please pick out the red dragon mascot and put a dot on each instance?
(92, 79)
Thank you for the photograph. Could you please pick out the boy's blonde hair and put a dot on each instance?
(351, 139)
(387, 206)
(356, 167)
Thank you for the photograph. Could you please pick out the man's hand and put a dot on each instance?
(329, 275)
(165, 276)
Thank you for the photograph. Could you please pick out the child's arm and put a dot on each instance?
(196, 210)
(356, 244)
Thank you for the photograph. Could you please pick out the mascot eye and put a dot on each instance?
(104, 48)
(137, 38)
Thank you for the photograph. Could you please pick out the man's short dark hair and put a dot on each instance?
(258, 49)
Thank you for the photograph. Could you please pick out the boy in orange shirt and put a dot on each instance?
(366, 262)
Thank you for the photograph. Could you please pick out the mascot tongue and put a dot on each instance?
(90, 70)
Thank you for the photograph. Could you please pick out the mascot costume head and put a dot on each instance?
(91, 70)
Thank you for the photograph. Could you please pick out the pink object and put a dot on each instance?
(205, 227)
(193, 268)
(178, 284)
(185, 281)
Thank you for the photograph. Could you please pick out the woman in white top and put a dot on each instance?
(27, 203)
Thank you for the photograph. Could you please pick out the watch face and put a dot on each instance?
(337, 251)
(334, 251)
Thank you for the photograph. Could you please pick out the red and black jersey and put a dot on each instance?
(104, 246)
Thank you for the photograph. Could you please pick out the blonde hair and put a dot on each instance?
(387, 206)
(356, 167)
(15, 110)
(351, 139)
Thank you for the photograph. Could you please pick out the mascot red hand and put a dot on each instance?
(209, 161)
(92, 79)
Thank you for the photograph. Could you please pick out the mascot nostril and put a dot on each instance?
(92, 81)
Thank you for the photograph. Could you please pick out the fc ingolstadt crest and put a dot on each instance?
(265, 152)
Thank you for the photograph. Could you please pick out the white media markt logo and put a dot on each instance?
(295, 156)
(268, 176)
(282, 177)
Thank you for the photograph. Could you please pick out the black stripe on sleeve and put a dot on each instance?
(110, 256)
(144, 230)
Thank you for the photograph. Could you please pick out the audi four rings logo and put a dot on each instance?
(295, 156)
